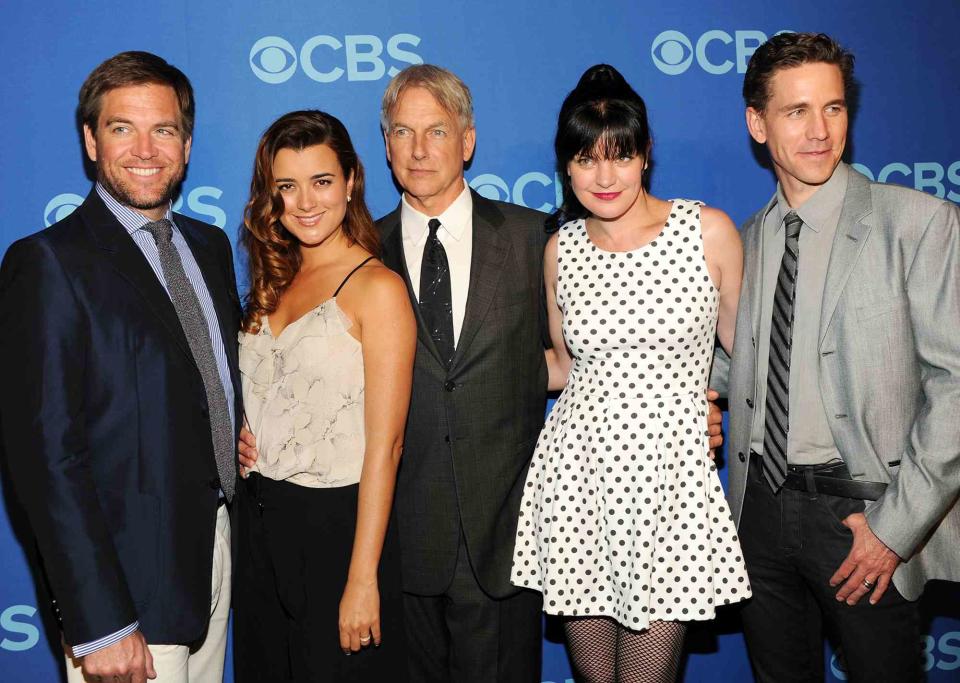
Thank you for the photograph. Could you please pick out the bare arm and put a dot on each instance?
(723, 252)
(558, 358)
(388, 338)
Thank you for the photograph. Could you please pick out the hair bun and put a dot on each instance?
(603, 81)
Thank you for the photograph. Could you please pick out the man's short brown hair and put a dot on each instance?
(789, 50)
(134, 68)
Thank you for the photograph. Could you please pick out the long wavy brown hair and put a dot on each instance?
(273, 254)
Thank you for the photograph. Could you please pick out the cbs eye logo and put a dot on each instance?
(533, 189)
(673, 52)
(273, 59)
(60, 207)
(358, 57)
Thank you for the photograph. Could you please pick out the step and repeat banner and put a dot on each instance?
(252, 61)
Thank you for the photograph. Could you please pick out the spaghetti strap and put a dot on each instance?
(361, 265)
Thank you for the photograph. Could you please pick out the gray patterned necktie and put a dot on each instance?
(777, 416)
(197, 332)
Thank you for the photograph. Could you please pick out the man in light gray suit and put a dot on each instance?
(844, 387)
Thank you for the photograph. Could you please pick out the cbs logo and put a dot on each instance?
(60, 207)
(673, 52)
(274, 59)
(928, 176)
(19, 633)
(197, 202)
(941, 653)
(534, 190)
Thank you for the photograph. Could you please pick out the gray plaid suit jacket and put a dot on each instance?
(889, 370)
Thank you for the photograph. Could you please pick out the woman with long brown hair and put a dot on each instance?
(326, 356)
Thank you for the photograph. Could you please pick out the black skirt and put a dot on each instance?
(292, 555)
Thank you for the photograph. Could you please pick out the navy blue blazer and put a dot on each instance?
(105, 424)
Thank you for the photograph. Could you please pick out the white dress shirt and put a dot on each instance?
(456, 236)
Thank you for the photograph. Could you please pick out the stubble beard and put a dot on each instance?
(123, 194)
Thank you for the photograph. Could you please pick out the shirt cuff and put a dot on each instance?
(100, 643)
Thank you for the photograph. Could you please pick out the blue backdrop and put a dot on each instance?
(252, 61)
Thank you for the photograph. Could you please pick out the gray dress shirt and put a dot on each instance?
(810, 441)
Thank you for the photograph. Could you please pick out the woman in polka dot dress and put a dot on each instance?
(623, 525)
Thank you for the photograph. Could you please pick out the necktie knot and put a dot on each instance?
(793, 225)
(162, 230)
(434, 225)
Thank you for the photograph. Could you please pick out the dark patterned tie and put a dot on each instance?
(436, 304)
(197, 332)
(777, 416)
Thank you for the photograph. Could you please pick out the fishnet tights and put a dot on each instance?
(602, 651)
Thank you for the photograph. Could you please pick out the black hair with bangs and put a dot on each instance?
(602, 117)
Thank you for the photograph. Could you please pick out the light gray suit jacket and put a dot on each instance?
(889, 368)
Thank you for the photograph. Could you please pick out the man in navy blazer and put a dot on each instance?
(114, 410)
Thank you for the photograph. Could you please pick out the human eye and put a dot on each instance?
(166, 132)
(585, 162)
(625, 159)
(284, 187)
(400, 132)
(438, 132)
(835, 109)
(119, 129)
(324, 182)
(796, 113)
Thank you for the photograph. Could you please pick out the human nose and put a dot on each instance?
(305, 199)
(144, 147)
(605, 174)
(419, 149)
(818, 129)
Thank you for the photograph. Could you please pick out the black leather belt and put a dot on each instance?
(832, 479)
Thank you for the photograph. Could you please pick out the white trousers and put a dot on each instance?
(203, 663)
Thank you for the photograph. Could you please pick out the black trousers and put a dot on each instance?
(465, 636)
(292, 558)
(793, 542)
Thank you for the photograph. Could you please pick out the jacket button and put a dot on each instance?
(449, 385)
(446, 438)
(741, 457)
(750, 403)
(214, 483)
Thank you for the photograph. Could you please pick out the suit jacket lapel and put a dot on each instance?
(753, 270)
(853, 229)
(395, 260)
(131, 264)
(486, 265)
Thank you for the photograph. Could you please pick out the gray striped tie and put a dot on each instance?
(197, 331)
(777, 420)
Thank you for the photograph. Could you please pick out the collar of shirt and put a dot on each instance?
(455, 220)
(131, 219)
(821, 206)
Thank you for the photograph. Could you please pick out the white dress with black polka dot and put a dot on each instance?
(622, 513)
